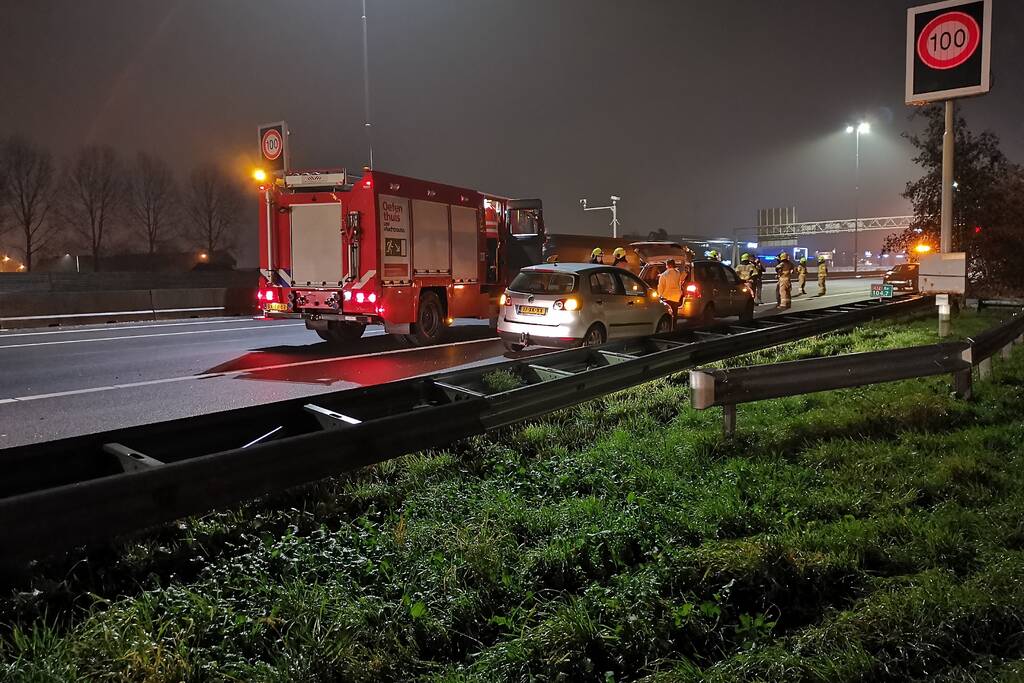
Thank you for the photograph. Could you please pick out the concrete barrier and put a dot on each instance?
(51, 309)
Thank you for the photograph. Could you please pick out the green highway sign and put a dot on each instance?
(881, 291)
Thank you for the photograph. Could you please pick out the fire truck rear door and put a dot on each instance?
(317, 244)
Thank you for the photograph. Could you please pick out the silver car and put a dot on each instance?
(574, 304)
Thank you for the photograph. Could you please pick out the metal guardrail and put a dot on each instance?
(729, 387)
(63, 493)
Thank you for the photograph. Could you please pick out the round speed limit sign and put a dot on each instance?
(948, 40)
(272, 144)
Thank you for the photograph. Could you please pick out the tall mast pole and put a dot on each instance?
(366, 87)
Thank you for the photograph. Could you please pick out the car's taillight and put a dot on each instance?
(505, 300)
(566, 305)
(693, 291)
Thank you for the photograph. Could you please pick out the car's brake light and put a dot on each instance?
(505, 300)
(692, 290)
(566, 305)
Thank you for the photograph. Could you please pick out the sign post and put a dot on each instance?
(949, 48)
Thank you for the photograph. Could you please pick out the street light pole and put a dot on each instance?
(862, 127)
(614, 208)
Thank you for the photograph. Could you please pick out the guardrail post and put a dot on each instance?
(1005, 351)
(729, 420)
(985, 369)
(962, 382)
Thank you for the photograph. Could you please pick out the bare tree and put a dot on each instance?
(152, 198)
(95, 194)
(214, 205)
(29, 184)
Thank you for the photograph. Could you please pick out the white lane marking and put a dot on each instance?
(148, 311)
(142, 336)
(231, 373)
(117, 328)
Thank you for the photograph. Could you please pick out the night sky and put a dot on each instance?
(696, 113)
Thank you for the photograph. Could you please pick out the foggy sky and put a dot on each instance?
(696, 113)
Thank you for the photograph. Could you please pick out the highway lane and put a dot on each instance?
(62, 382)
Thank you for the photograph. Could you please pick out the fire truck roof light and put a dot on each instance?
(259, 175)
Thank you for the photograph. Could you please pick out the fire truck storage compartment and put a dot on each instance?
(316, 244)
(465, 244)
(430, 238)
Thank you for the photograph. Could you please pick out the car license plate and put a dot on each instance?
(533, 310)
(277, 307)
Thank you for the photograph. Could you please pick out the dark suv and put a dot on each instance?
(903, 278)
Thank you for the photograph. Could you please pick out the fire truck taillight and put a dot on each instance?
(372, 298)
(266, 295)
(348, 295)
(360, 297)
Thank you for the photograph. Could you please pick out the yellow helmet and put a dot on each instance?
(783, 256)
(597, 252)
(619, 252)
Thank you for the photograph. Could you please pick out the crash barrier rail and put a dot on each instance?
(39, 309)
(729, 387)
(63, 493)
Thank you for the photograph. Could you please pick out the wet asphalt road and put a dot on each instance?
(63, 382)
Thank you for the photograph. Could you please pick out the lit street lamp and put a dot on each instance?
(862, 128)
(613, 208)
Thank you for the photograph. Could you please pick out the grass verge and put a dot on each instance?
(864, 534)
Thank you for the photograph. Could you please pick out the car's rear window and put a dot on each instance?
(543, 282)
(905, 268)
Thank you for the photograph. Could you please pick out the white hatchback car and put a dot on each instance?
(577, 304)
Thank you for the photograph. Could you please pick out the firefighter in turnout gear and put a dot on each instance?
(801, 275)
(714, 255)
(619, 258)
(784, 270)
(746, 271)
(822, 275)
(597, 256)
(758, 280)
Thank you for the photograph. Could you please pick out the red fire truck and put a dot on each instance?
(343, 251)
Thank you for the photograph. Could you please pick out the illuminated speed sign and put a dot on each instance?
(948, 50)
(274, 146)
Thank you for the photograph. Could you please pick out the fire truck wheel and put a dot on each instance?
(429, 321)
(342, 334)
